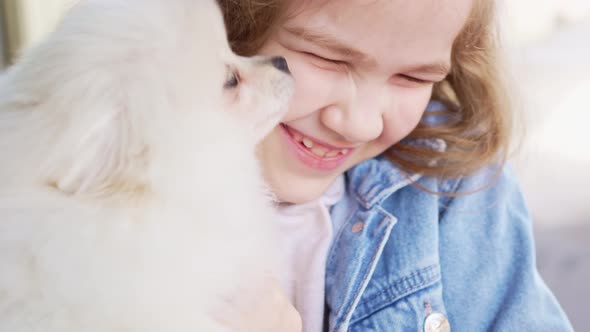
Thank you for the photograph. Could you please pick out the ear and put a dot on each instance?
(101, 157)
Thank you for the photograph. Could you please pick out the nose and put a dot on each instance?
(280, 63)
(358, 119)
(351, 127)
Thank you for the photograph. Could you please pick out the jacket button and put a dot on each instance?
(436, 322)
(357, 227)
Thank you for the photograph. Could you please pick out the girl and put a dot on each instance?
(398, 211)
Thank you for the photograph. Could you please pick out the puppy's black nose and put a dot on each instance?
(281, 64)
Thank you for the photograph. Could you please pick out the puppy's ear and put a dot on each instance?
(104, 157)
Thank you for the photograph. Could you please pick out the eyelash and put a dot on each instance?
(414, 79)
(335, 62)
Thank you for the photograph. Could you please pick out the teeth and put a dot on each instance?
(318, 151)
(308, 143)
(333, 153)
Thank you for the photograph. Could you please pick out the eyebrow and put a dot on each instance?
(338, 47)
(328, 42)
(439, 68)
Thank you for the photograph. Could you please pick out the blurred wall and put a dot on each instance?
(3, 43)
(549, 50)
(25, 21)
(529, 20)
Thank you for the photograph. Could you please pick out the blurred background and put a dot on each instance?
(547, 43)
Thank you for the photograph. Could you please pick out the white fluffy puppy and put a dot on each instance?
(130, 197)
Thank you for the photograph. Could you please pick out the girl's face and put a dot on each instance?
(364, 72)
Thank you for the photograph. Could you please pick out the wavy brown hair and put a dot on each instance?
(476, 122)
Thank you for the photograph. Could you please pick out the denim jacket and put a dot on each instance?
(406, 260)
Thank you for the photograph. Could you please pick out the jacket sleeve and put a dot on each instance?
(490, 279)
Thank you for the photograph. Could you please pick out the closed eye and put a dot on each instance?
(414, 79)
(323, 59)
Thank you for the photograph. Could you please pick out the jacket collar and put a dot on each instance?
(372, 181)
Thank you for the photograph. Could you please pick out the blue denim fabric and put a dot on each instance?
(400, 253)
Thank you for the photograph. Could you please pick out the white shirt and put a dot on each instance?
(305, 234)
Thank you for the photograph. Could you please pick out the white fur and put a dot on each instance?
(130, 197)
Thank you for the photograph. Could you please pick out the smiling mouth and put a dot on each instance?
(312, 153)
(314, 147)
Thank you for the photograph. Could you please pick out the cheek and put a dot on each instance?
(312, 88)
(302, 103)
(405, 117)
(396, 126)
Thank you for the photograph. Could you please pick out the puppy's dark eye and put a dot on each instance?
(232, 79)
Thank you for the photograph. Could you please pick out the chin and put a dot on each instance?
(299, 191)
(291, 196)
(130, 195)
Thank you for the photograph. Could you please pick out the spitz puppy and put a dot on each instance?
(130, 196)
